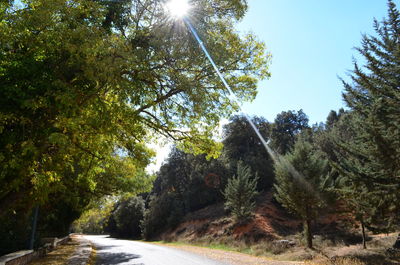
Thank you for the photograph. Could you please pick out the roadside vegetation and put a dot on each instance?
(330, 187)
(86, 84)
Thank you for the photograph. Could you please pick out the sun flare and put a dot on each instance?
(178, 8)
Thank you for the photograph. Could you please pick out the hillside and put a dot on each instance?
(269, 222)
(274, 233)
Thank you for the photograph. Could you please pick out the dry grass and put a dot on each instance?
(58, 256)
(325, 252)
(337, 261)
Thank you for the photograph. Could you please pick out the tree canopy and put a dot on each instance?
(83, 82)
(85, 85)
(287, 125)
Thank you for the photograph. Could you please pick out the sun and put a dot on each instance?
(178, 8)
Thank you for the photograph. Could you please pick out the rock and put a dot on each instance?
(284, 243)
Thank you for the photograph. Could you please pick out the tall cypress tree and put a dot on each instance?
(372, 157)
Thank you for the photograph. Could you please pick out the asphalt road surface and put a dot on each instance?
(110, 251)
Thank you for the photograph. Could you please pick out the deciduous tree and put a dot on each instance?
(84, 85)
(75, 96)
(287, 125)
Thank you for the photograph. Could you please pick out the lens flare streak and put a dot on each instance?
(275, 157)
(227, 86)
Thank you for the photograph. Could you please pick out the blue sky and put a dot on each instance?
(312, 43)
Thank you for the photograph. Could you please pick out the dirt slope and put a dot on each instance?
(270, 222)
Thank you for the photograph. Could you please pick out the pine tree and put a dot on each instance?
(239, 193)
(299, 182)
(372, 157)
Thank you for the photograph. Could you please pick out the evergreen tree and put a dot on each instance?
(333, 117)
(300, 177)
(352, 188)
(372, 158)
(239, 193)
(184, 183)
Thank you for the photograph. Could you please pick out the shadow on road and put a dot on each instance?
(114, 258)
(104, 247)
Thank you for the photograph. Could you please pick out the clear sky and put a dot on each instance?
(312, 43)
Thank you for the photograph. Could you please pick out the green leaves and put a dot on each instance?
(287, 125)
(85, 85)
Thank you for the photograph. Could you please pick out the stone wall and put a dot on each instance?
(25, 256)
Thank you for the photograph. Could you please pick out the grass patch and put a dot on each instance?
(204, 244)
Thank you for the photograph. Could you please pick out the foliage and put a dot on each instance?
(242, 144)
(370, 158)
(333, 118)
(85, 84)
(287, 125)
(126, 217)
(300, 177)
(352, 192)
(54, 124)
(93, 92)
(164, 211)
(240, 193)
(94, 219)
(184, 183)
(15, 231)
(194, 179)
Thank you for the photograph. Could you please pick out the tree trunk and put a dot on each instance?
(397, 243)
(363, 235)
(307, 233)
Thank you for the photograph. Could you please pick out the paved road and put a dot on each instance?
(110, 251)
